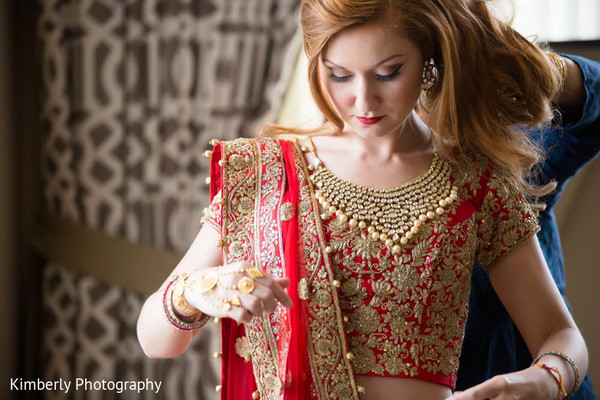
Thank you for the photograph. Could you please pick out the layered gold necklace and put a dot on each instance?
(392, 216)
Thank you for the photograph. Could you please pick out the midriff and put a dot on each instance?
(385, 388)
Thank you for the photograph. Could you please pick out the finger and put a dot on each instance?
(252, 303)
(283, 282)
(489, 389)
(240, 314)
(453, 396)
(269, 303)
(279, 291)
(260, 299)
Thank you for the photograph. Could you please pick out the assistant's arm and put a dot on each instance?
(573, 94)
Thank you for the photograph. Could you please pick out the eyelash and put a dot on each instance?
(381, 78)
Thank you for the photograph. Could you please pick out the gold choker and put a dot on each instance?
(392, 216)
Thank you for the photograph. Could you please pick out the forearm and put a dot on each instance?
(567, 341)
(527, 290)
(158, 338)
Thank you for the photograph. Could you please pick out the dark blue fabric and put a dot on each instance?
(492, 343)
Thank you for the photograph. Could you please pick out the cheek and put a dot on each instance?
(407, 94)
(340, 95)
(407, 97)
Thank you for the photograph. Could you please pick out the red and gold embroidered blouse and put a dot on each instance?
(405, 313)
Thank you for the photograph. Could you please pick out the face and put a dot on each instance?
(373, 76)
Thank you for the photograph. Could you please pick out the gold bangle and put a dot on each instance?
(178, 298)
(560, 64)
(570, 362)
(174, 319)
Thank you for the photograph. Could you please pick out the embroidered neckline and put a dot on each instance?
(392, 216)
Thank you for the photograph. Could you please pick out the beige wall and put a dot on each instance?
(579, 221)
(578, 216)
(8, 336)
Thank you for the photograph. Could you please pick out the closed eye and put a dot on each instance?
(381, 78)
(336, 78)
(389, 77)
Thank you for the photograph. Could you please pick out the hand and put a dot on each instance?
(215, 291)
(533, 383)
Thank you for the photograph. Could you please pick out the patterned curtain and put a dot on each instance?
(133, 92)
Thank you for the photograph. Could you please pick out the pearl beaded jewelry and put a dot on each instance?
(393, 216)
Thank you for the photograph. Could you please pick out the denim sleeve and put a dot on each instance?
(573, 145)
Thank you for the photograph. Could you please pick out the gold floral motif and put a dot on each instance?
(238, 161)
(365, 361)
(272, 382)
(342, 390)
(242, 348)
(303, 290)
(287, 211)
(365, 320)
(305, 208)
(246, 205)
(236, 249)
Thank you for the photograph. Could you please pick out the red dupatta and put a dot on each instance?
(271, 219)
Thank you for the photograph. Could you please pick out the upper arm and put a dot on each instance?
(523, 283)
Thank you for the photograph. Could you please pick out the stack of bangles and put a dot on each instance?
(562, 394)
(560, 64)
(205, 285)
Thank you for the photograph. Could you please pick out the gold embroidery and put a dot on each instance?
(238, 162)
(334, 377)
(287, 211)
(236, 249)
(212, 214)
(242, 348)
(243, 190)
(407, 312)
(303, 291)
(273, 383)
(246, 205)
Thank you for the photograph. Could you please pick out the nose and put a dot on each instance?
(366, 98)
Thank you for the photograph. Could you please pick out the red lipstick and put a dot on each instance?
(369, 121)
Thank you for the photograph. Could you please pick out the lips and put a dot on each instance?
(369, 121)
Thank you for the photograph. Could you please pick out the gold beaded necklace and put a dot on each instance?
(392, 216)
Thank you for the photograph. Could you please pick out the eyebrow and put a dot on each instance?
(376, 65)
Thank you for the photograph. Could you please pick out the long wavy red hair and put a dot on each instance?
(490, 79)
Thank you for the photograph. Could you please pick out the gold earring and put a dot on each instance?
(429, 76)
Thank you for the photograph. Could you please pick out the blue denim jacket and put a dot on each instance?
(492, 343)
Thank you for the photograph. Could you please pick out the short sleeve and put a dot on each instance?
(213, 213)
(506, 221)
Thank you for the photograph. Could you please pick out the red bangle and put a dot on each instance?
(172, 316)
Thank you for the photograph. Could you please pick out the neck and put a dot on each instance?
(412, 137)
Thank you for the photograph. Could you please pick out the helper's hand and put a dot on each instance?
(533, 383)
(239, 291)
